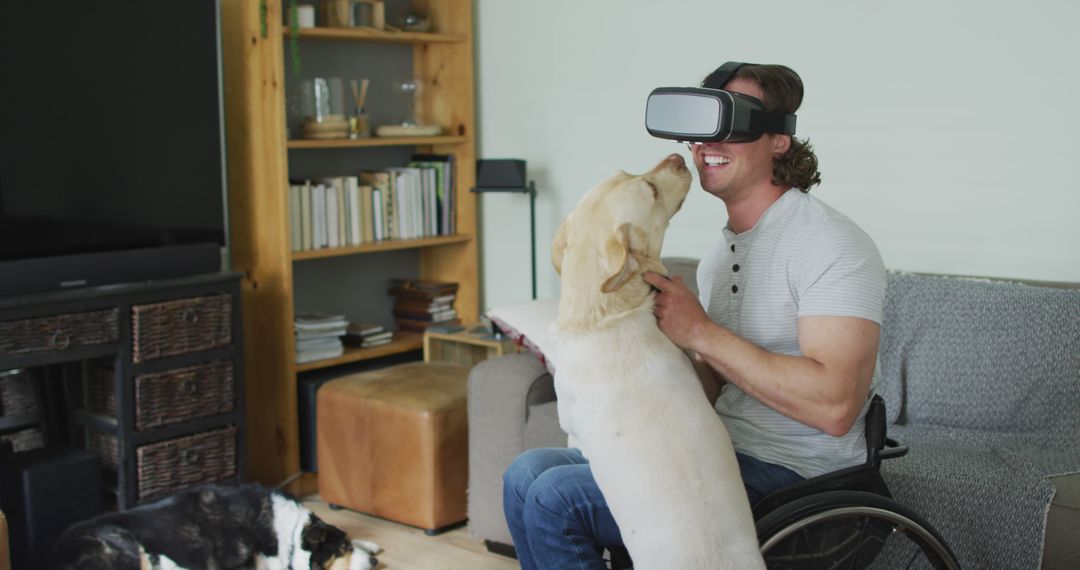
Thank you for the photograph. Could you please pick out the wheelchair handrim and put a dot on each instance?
(839, 512)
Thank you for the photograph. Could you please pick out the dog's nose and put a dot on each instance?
(677, 159)
(373, 561)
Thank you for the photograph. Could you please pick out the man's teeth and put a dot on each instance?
(715, 160)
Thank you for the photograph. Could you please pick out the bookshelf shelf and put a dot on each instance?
(375, 142)
(403, 342)
(385, 245)
(376, 36)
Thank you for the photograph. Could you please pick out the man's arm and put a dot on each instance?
(825, 388)
(710, 380)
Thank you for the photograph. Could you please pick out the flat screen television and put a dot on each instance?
(112, 164)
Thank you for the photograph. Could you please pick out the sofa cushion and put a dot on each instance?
(981, 354)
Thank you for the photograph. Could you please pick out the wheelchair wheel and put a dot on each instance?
(850, 529)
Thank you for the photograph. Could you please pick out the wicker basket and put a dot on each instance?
(175, 464)
(180, 326)
(101, 391)
(105, 446)
(16, 392)
(25, 440)
(168, 397)
(58, 332)
(178, 463)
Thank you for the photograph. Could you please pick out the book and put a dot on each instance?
(412, 325)
(302, 357)
(380, 181)
(356, 233)
(422, 288)
(444, 315)
(365, 329)
(377, 339)
(305, 216)
(313, 318)
(295, 240)
(332, 234)
(367, 220)
(423, 305)
(339, 195)
(445, 328)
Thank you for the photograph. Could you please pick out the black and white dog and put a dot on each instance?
(212, 526)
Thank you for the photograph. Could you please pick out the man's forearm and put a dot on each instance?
(796, 386)
(707, 375)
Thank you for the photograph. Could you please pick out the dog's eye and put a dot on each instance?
(655, 192)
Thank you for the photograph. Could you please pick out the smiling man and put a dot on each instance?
(785, 332)
(787, 324)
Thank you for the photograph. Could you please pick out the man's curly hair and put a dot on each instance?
(798, 167)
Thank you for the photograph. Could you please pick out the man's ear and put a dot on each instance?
(781, 144)
(621, 260)
(558, 245)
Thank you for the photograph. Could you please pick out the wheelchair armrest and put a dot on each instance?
(892, 449)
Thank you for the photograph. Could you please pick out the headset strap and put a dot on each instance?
(721, 75)
(760, 120)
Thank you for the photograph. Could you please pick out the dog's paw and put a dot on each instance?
(366, 546)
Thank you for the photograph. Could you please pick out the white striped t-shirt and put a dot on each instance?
(801, 258)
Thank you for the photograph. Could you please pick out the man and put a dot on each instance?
(784, 336)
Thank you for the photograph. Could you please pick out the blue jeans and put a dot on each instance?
(559, 519)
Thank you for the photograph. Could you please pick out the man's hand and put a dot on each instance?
(678, 311)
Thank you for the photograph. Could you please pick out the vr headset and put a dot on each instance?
(710, 114)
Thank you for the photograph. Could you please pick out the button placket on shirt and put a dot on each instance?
(735, 267)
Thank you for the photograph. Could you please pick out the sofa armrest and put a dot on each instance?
(500, 392)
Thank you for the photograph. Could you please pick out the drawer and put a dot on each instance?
(24, 440)
(178, 463)
(171, 396)
(168, 466)
(58, 332)
(180, 326)
(17, 392)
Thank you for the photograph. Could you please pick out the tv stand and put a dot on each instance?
(150, 376)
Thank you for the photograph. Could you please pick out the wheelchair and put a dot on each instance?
(844, 519)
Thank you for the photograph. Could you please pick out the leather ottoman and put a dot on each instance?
(394, 443)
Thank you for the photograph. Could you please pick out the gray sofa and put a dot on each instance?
(981, 380)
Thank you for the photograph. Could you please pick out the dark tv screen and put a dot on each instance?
(110, 127)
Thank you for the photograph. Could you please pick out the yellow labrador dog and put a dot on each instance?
(629, 398)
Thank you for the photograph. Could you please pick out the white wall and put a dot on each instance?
(947, 130)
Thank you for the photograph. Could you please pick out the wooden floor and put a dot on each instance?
(408, 548)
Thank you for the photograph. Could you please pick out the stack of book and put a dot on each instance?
(318, 336)
(420, 304)
(367, 335)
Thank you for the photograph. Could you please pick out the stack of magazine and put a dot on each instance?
(367, 335)
(318, 336)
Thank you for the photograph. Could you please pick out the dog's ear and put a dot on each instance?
(621, 260)
(558, 245)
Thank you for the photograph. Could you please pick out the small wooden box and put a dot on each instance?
(464, 347)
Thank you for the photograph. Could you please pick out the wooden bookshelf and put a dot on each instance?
(255, 48)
